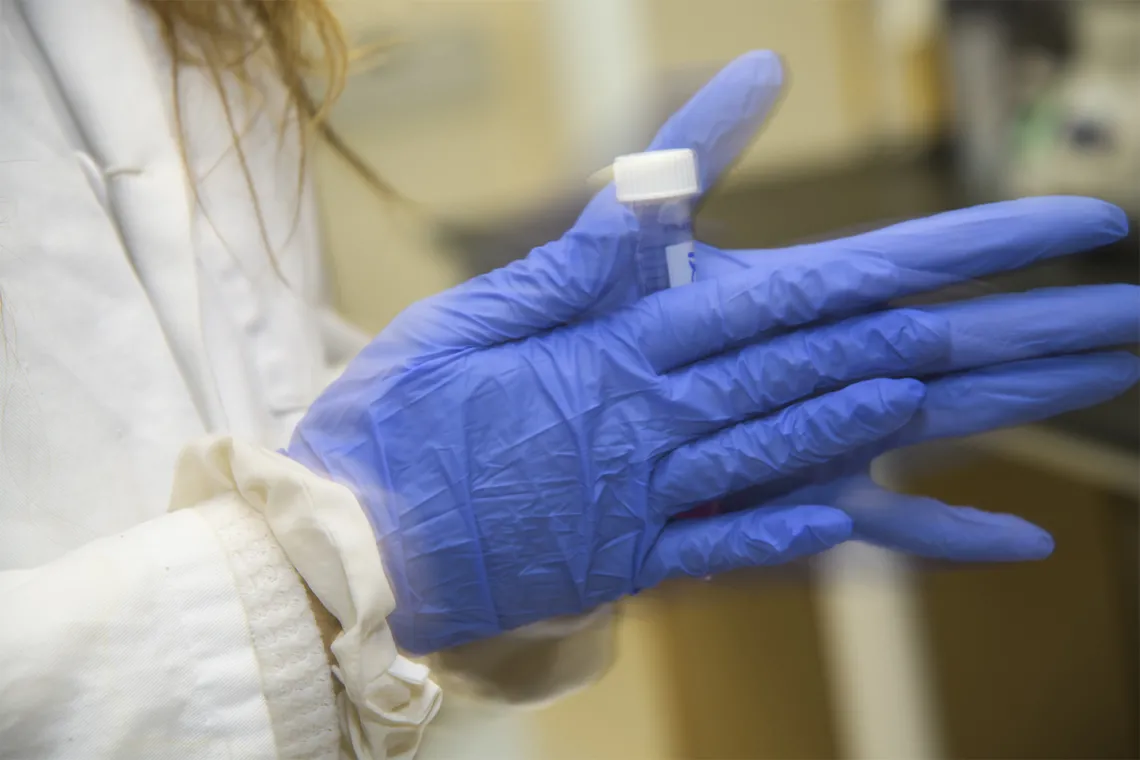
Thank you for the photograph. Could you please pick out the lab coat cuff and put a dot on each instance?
(296, 682)
(321, 531)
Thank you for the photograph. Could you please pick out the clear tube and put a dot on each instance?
(659, 187)
(664, 254)
(664, 259)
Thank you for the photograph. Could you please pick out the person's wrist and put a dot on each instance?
(423, 580)
(534, 664)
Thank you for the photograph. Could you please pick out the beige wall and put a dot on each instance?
(813, 124)
(466, 153)
(487, 154)
(496, 151)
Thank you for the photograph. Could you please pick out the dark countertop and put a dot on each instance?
(832, 204)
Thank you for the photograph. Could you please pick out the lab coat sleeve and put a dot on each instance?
(192, 635)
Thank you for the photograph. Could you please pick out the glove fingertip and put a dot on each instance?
(1113, 218)
(1041, 546)
(1028, 543)
(1023, 540)
(902, 397)
(1105, 221)
(929, 334)
(1130, 367)
(767, 66)
(829, 526)
(802, 530)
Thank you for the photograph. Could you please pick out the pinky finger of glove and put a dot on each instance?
(929, 528)
(758, 537)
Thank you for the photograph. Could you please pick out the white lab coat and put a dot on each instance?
(156, 555)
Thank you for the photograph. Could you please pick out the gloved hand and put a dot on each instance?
(521, 441)
(989, 378)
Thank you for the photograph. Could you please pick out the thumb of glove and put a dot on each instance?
(589, 270)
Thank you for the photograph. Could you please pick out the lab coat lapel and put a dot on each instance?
(93, 407)
(115, 96)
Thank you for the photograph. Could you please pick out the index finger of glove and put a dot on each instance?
(961, 244)
(679, 326)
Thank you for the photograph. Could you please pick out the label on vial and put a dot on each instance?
(679, 259)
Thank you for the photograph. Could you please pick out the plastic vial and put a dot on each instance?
(659, 187)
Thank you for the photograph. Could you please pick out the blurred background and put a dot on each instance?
(489, 115)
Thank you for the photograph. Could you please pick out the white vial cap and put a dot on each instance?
(657, 176)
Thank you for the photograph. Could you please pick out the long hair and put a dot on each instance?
(301, 40)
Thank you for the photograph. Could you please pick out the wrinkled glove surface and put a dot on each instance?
(521, 442)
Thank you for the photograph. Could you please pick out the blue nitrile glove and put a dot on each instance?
(521, 441)
(966, 392)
